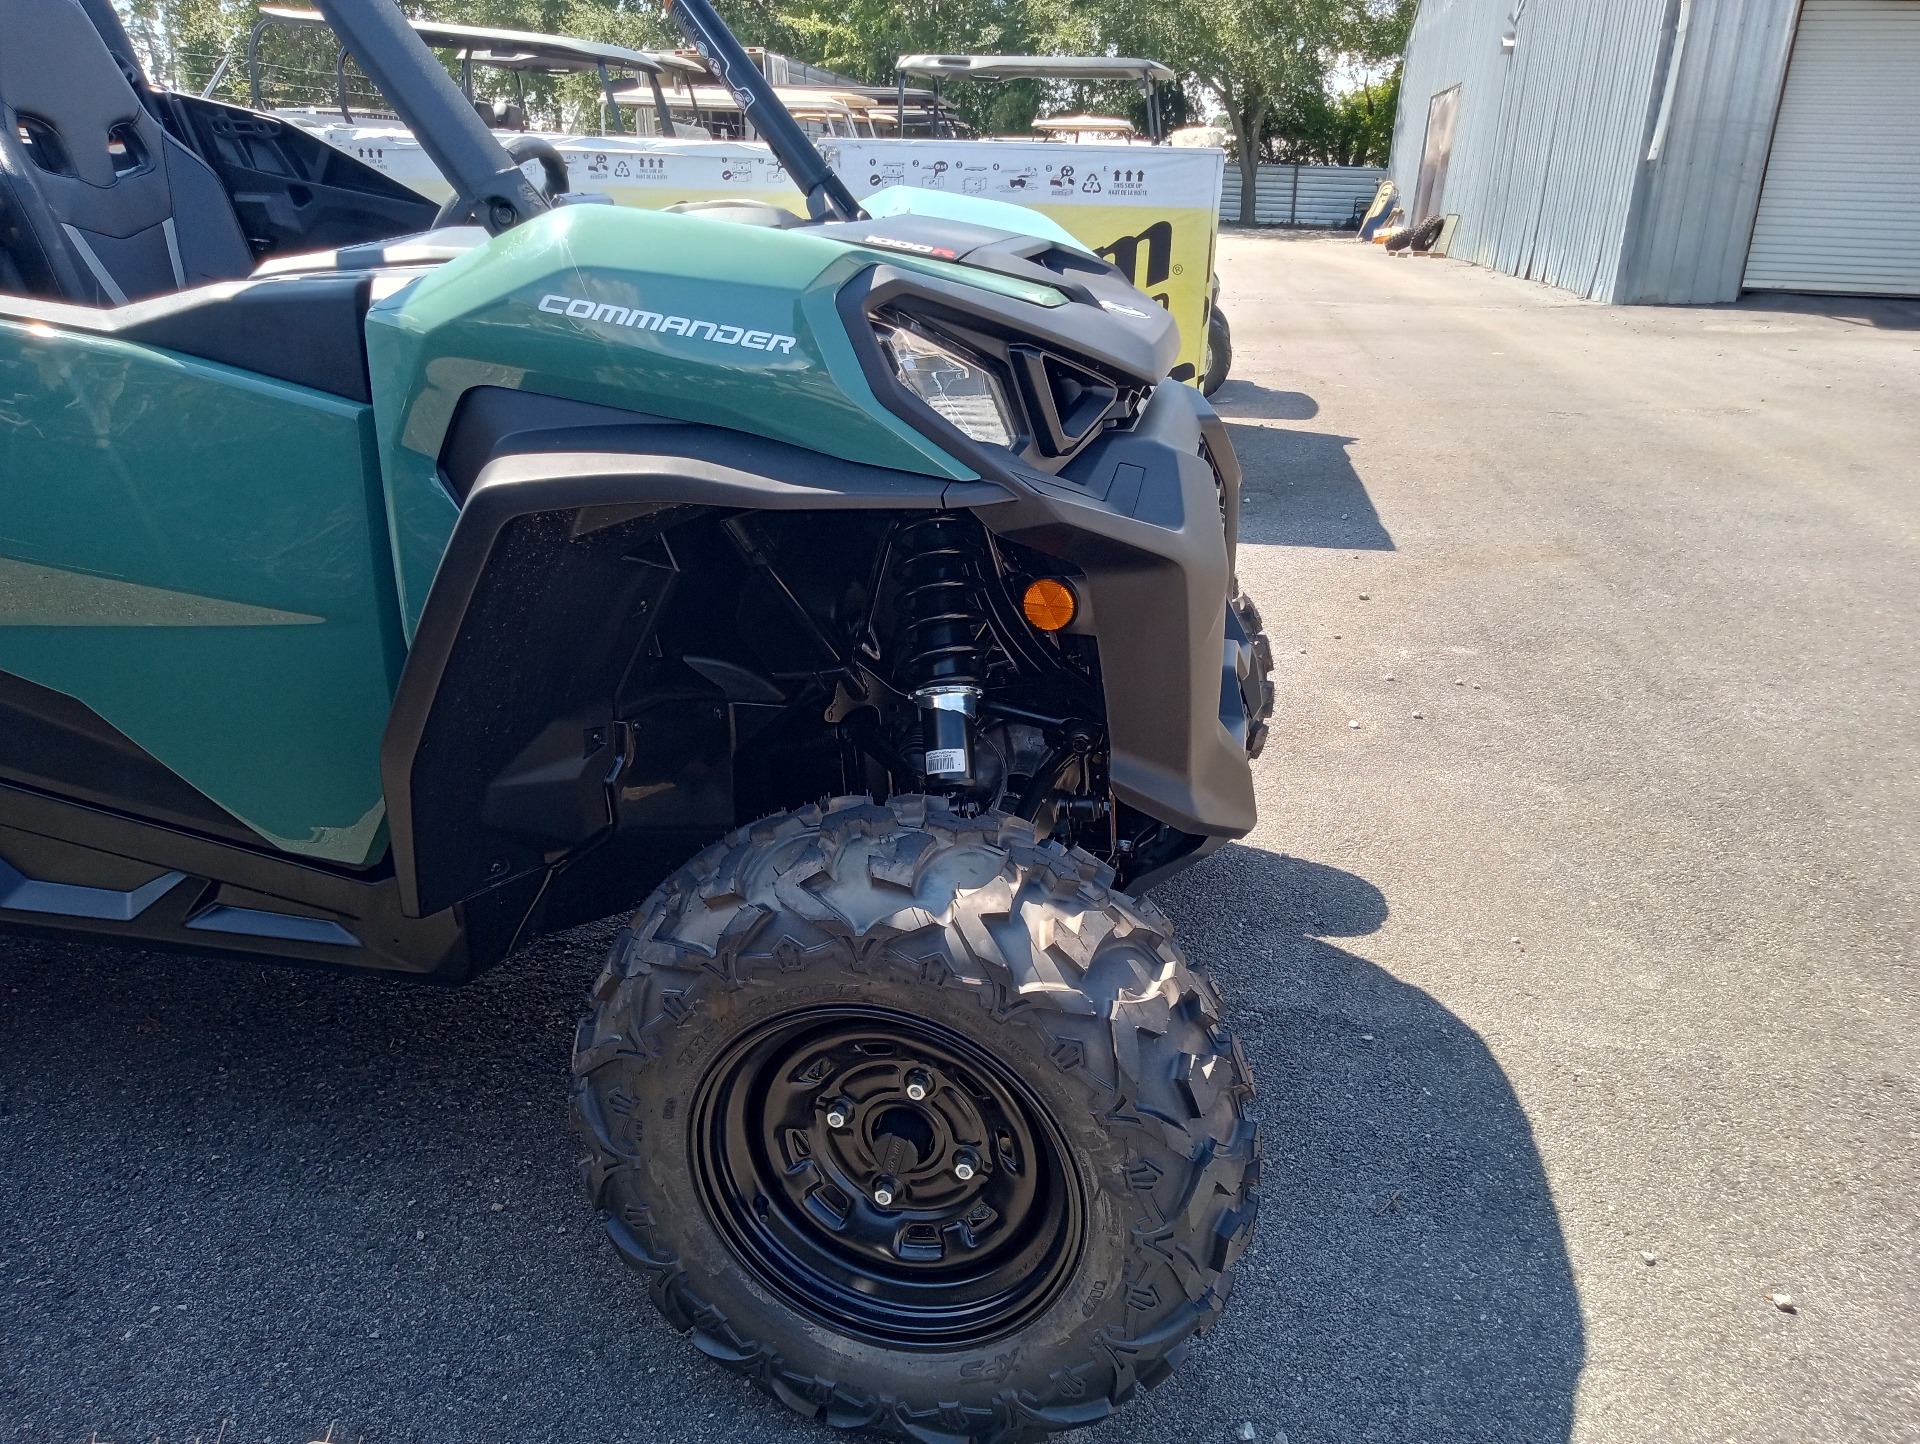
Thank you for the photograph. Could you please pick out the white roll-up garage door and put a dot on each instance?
(1840, 209)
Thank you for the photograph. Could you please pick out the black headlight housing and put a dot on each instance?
(1058, 375)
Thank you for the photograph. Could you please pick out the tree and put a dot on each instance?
(863, 38)
(1251, 54)
(1353, 127)
(1376, 30)
(184, 41)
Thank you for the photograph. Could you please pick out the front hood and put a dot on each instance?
(1108, 316)
(1014, 220)
(698, 320)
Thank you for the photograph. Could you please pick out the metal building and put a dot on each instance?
(1674, 151)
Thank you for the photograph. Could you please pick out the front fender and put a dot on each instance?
(519, 610)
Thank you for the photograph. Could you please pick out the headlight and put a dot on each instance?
(958, 387)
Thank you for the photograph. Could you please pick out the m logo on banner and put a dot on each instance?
(1157, 241)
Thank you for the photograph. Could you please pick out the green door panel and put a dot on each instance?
(674, 315)
(200, 555)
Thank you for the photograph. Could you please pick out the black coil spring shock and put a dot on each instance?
(946, 652)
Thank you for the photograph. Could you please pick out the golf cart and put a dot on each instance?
(823, 111)
(826, 103)
(1106, 129)
(297, 69)
(674, 95)
(1147, 75)
(383, 585)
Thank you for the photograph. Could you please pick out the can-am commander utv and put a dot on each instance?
(381, 588)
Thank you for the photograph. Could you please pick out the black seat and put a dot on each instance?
(102, 206)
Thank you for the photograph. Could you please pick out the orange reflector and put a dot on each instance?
(1049, 605)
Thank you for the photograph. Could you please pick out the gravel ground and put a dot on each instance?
(1577, 932)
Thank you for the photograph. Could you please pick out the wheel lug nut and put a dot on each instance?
(885, 1190)
(966, 1165)
(919, 1085)
(839, 1113)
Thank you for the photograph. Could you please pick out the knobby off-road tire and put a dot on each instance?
(1219, 358)
(1427, 232)
(845, 950)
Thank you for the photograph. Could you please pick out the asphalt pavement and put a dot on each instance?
(1574, 954)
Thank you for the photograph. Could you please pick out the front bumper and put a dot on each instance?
(1148, 523)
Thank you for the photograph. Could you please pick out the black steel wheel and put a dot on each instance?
(888, 1177)
(915, 1121)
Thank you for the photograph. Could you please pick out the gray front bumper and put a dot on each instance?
(1146, 521)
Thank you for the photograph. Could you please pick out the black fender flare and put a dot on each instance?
(515, 458)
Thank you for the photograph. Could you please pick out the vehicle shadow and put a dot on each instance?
(1249, 400)
(1298, 488)
(298, 1201)
(1409, 1280)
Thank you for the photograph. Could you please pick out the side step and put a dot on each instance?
(253, 922)
(146, 883)
(22, 894)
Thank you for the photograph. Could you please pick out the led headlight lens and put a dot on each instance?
(958, 387)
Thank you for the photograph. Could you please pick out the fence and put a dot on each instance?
(1302, 195)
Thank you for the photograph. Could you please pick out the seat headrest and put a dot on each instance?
(56, 70)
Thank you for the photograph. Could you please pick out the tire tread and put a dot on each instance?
(1146, 1043)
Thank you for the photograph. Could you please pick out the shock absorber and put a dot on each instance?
(945, 663)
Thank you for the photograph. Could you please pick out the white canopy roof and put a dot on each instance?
(1035, 67)
(512, 49)
(1110, 123)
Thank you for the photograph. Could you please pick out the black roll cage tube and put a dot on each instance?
(442, 119)
(828, 198)
(663, 114)
(463, 149)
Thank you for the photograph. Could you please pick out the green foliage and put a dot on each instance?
(185, 40)
(1313, 127)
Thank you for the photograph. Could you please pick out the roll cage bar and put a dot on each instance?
(1144, 73)
(396, 58)
(828, 198)
(518, 52)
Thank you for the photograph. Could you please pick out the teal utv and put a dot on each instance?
(853, 596)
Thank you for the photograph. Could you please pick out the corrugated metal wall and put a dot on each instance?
(1303, 195)
(1695, 217)
(1551, 174)
(1551, 134)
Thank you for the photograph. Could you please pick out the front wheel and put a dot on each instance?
(1253, 667)
(1219, 353)
(917, 1122)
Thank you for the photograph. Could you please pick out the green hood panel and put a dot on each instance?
(673, 315)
